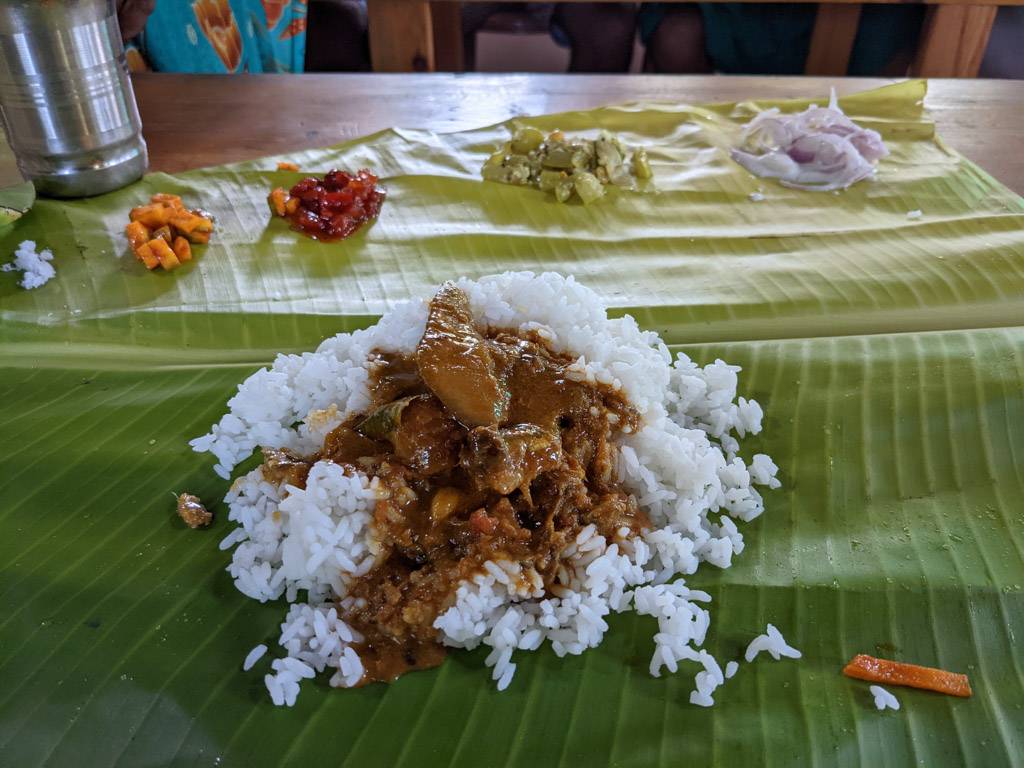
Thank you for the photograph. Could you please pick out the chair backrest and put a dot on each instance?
(416, 35)
(952, 42)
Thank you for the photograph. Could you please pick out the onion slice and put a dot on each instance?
(819, 149)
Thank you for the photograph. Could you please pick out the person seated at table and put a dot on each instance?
(599, 35)
(228, 36)
(769, 38)
(1002, 56)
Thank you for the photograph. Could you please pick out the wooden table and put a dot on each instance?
(238, 117)
(414, 35)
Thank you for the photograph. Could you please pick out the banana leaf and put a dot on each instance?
(15, 201)
(888, 353)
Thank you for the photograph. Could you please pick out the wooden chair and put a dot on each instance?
(424, 36)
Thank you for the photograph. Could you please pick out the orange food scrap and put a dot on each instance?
(161, 233)
(864, 667)
(277, 199)
(284, 166)
(163, 197)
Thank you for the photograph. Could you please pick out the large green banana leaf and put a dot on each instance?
(888, 353)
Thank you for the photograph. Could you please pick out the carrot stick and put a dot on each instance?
(864, 667)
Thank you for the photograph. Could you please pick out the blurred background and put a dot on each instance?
(881, 39)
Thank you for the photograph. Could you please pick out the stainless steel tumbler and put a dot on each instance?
(65, 96)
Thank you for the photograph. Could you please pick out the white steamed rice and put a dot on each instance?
(254, 655)
(774, 643)
(36, 267)
(683, 465)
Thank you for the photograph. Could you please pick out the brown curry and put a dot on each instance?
(485, 450)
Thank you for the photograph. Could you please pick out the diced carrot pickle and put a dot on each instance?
(189, 222)
(164, 253)
(137, 234)
(277, 199)
(183, 222)
(158, 245)
(164, 233)
(285, 166)
(145, 254)
(182, 249)
(291, 205)
(153, 216)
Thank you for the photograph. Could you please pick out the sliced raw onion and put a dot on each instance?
(819, 149)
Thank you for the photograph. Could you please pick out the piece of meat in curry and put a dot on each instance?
(485, 450)
(192, 511)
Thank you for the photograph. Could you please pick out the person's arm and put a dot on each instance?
(132, 16)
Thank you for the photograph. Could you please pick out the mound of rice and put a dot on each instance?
(683, 465)
(36, 267)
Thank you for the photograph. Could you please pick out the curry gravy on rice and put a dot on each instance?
(485, 450)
